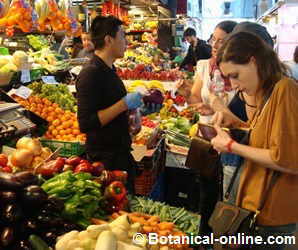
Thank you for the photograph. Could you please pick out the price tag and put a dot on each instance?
(25, 76)
(49, 79)
(23, 92)
(76, 70)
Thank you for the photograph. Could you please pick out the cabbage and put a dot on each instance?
(154, 96)
(20, 59)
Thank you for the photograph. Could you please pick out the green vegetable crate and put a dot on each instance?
(67, 148)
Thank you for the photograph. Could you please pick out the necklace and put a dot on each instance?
(240, 94)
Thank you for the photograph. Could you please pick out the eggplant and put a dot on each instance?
(54, 204)
(7, 236)
(22, 245)
(8, 196)
(8, 181)
(34, 196)
(50, 237)
(26, 178)
(12, 213)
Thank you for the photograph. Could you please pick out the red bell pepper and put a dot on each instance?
(73, 160)
(119, 175)
(97, 168)
(7, 169)
(115, 191)
(83, 167)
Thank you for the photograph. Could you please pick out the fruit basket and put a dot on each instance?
(66, 148)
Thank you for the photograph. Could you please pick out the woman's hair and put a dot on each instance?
(296, 55)
(226, 26)
(241, 46)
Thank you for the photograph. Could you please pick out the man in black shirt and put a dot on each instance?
(103, 103)
(197, 50)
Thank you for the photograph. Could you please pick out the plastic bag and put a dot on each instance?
(135, 122)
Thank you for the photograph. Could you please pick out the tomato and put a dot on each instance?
(3, 160)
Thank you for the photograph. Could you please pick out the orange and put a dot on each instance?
(68, 131)
(55, 105)
(54, 132)
(62, 132)
(33, 105)
(51, 109)
(75, 132)
(50, 118)
(56, 122)
(76, 125)
(43, 114)
(58, 110)
(51, 127)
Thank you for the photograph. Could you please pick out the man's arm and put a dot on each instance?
(187, 58)
(105, 116)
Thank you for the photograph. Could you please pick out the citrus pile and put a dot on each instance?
(63, 125)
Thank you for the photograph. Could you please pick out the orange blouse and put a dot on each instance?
(276, 129)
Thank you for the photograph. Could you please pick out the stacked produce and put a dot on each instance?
(140, 72)
(28, 213)
(81, 195)
(28, 154)
(109, 236)
(21, 15)
(63, 125)
(184, 220)
(38, 42)
(137, 85)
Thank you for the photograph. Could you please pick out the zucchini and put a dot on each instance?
(37, 243)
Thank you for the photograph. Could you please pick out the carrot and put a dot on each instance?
(137, 219)
(147, 229)
(166, 226)
(98, 221)
(164, 232)
(153, 223)
(154, 218)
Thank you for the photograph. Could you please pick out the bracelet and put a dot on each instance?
(229, 145)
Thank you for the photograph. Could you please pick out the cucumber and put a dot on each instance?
(37, 243)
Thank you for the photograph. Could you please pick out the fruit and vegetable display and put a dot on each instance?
(38, 42)
(141, 72)
(82, 197)
(144, 85)
(29, 217)
(56, 93)
(63, 125)
(28, 154)
(115, 235)
(185, 221)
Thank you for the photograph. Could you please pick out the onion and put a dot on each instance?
(23, 142)
(22, 158)
(36, 161)
(45, 153)
(32, 145)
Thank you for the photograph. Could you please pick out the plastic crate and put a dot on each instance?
(66, 148)
(148, 170)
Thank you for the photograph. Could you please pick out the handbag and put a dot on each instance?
(202, 158)
(228, 219)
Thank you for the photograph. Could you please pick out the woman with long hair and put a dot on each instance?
(254, 68)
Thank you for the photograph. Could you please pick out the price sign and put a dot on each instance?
(23, 92)
(49, 79)
(25, 76)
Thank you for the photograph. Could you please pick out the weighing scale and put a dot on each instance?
(13, 120)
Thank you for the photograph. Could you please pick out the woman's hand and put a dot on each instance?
(217, 103)
(203, 108)
(221, 141)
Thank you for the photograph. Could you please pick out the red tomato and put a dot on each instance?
(3, 160)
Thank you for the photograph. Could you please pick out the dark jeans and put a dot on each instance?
(210, 193)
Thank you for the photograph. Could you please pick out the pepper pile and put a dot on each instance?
(83, 198)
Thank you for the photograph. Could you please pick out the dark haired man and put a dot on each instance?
(103, 102)
(198, 49)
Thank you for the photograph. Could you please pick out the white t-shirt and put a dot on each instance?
(294, 68)
(203, 70)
